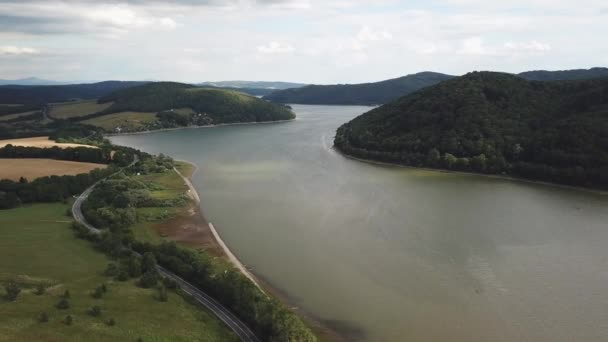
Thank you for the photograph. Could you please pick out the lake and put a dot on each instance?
(385, 253)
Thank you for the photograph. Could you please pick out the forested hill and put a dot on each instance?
(358, 94)
(215, 105)
(38, 95)
(577, 74)
(492, 123)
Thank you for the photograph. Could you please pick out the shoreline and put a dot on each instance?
(321, 329)
(203, 126)
(494, 176)
(218, 239)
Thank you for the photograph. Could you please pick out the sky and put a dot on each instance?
(309, 41)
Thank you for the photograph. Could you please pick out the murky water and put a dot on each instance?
(396, 254)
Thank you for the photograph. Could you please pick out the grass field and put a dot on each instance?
(38, 247)
(41, 142)
(16, 115)
(68, 110)
(131, 121)
(33, 168)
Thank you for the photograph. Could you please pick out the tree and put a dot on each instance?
(94, 311)
(39, 290)
(63, 304)
(68, 320)
(149, 279)
(43, 317)
(12, 291)
(66, 294)
(97, 293)
(148, 262)
(163, 296)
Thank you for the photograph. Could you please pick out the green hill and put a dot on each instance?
(562, 75)
(182, 104)
(358, 94)
(492, 123)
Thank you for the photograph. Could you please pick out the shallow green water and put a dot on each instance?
(396, 254)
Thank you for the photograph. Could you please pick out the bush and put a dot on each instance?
(66, 294)
(149, 279)
(68, 320)
(12, 291)
(111, 322)
(63, 304)
(163, 296)
(39, 290)
(98, 292)
(94, 311)
(43, 317)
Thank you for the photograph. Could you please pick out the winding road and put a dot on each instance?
(234, 323)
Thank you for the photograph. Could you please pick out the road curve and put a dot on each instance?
(237, 326)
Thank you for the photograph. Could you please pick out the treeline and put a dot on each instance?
(112, 206)
(218, 105)
(47, 189)
(59, 188)
(79, 154)
(492, 123)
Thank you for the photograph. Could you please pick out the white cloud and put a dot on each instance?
(366, 34)
(16, 51)
(275, 48)
(532, 47)
(477, 46)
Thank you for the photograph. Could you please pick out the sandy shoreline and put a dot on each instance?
(204, 126)
(226, 251)
(504, 177)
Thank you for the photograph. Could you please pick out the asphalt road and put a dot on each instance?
(237, 326)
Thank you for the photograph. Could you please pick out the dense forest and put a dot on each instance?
(40, 95)
(564, 75)
(358, 94)
(492, 123)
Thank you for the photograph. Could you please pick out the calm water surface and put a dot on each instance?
(395, 254)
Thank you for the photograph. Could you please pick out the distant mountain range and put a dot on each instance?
(30, 81)
(388, 90)
(358, 94)
(60, 93)
(253, 84)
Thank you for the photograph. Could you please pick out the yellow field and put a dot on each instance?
(16, 115)
(76, 109)
(33, 168)
(41, 142)
(130, 121)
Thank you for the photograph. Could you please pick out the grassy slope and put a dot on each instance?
(76, 109)
(16, 115)
(36, 244)
(169, 185)
(132, 121)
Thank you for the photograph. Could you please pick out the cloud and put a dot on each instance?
(106, 19)
(17, 51)
(366, 34)
(275, 48)
(477, 46)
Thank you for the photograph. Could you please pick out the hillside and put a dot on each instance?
(576, 74)
(178, 104)
(39, 95)
(253, 84)
(492, 123)
(358, 94)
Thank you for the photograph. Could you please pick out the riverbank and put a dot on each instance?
(494, 176)
(212, 240)
(218, 239)
(203, 126)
